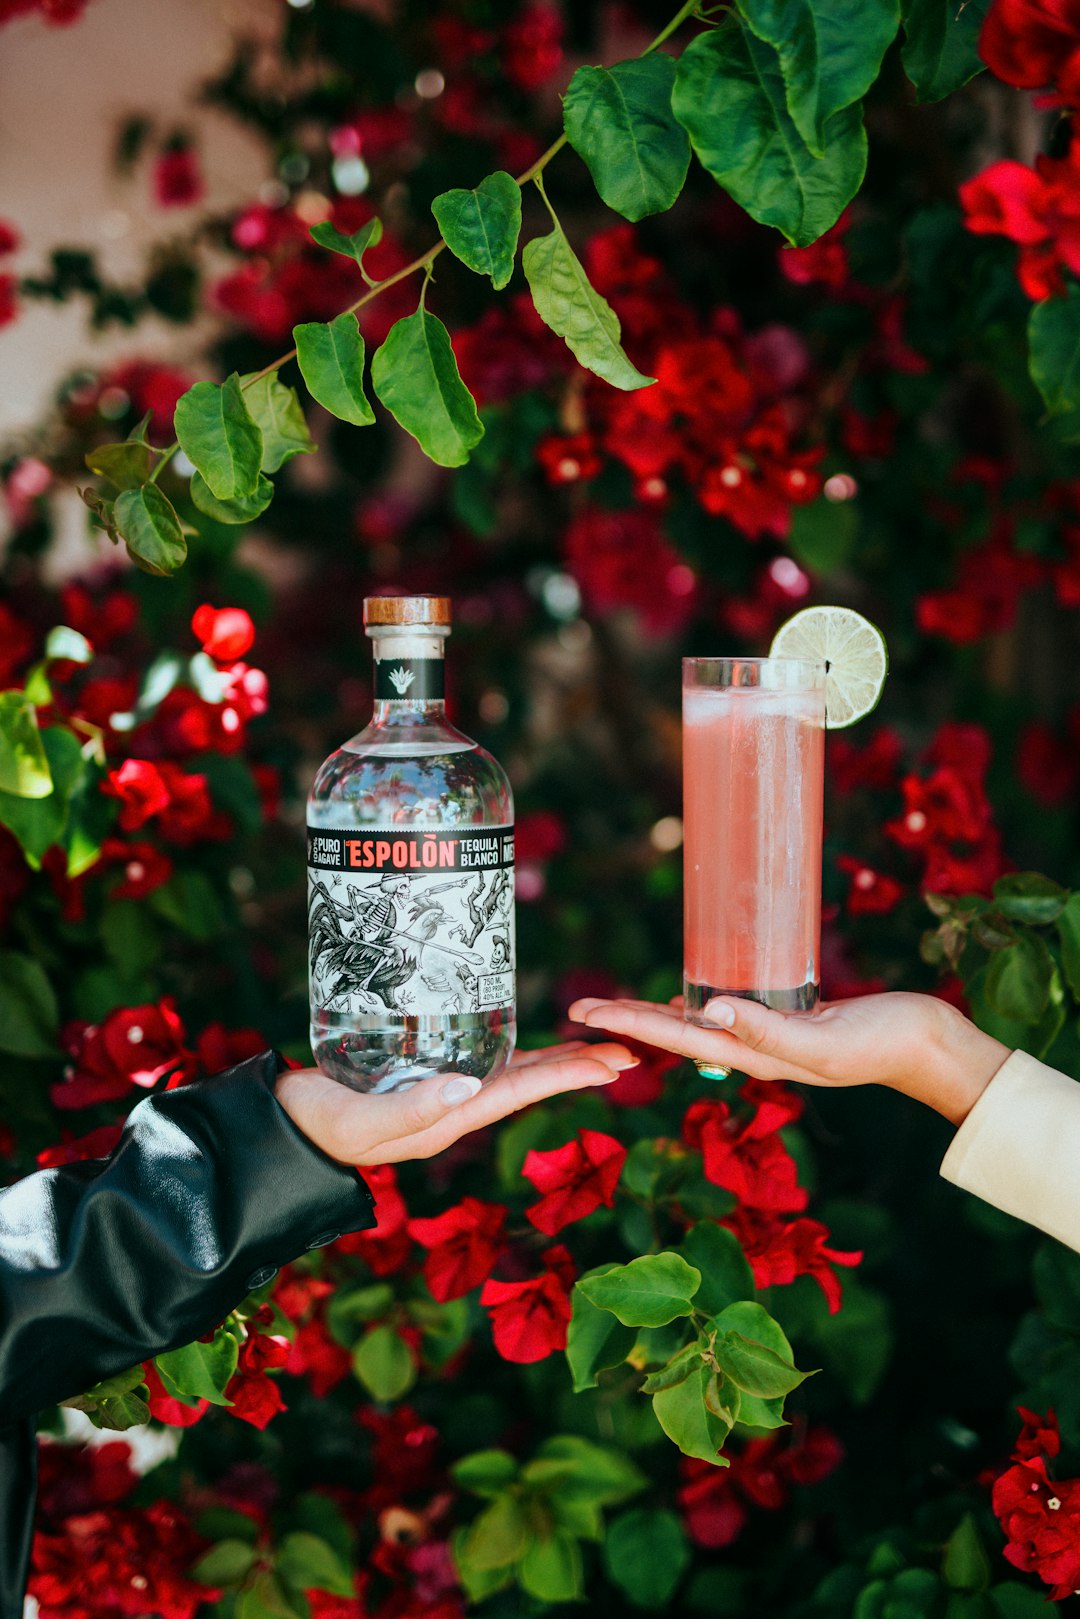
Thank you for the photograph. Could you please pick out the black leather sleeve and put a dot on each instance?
(102, 1264)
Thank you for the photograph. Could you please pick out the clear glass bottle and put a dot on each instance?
(410, 878)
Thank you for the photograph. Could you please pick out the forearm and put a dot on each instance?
(103, 1264)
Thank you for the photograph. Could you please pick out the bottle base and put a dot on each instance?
(381, 1060)
(697, 996)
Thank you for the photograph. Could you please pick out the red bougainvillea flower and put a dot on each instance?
(165, 1408)
(569, 458)
(1047, 765)
(463, 1243)
(135, 1045)
(255, 1397)
(71, 1149)
(103, 619)
(142, 792)
(78, 1478)
(1034, 43)
(317, 1357)
(218, 1047)
(532, 45)
(226, 633)
(404, 1455)
(870, 893)
(824, 261)
(574, 1179)
(716, 1503)
(143, 867)
(1040, 1436)
(151, 387)
(1037, 208)
(990, 583)
(9, 237)
(16, 643)
(778, 1251)
(9, 301)
(177, 178)
(529, 1319)
(180, 800)
(875, 764)
(744, 1157)
(643, 1085)
(1041, 1520)
(119, 1561)
(387, 1247)
(623, 560)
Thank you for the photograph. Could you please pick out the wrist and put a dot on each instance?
(311, 1102)
(962, 1061)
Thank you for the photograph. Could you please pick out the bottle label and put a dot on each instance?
(412, 680)
(408, 921)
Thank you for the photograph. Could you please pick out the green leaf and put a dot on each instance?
(24, 767)
(755, 1368)
(125, 465)
(220, 437)
(646, 1554)
(350, 247)
(682, 1413)
(966, 1566)
(567, 302)
(1018, 979)
(331, 361)
(415, 375)
(192, 903)
(227, 1563)
(725, 1274)
(761, 1414)
(755, 1322)
(595, 1340)
(940, 51)
(648, 1292)
(823, 534)
(499, 1537)
(478, 1583)
(1068, 925)
(724, 1399)
(101, 511)
(619, 120)
(72, 813)
(676, 1370)
(151, 530)
(730, 97)
(266, 1598)
(384, 1364)
(485, 1472)
(830, 53)
(482, 227)
(277, 413)
(1054, 350)
(114, 1412)
(308, 1564)
(551, 1569)
(231, 511)
(1028, 896)
(201, 1371)
(29, 1015)
(568, 1467)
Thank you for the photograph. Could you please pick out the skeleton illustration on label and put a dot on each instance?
(410, 922)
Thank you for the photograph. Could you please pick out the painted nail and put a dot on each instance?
(625, 1062)
(459, 1089)
(720, 1012)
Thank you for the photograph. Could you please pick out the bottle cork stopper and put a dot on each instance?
(407, 610)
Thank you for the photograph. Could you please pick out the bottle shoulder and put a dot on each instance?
(428, 775)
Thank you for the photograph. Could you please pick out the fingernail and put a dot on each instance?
(459, 1089)
(625, 1062)
(579, 1010)
(720, 1012)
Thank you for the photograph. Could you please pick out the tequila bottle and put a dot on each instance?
(410, 878)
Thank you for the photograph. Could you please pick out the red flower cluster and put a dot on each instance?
(9, 241)
(947, 819)
(1036, 208)
(255, 1397)
(1040, 1515)
(60, 13)
(529, 1319)
(313, 1354)
(387, 1247)
(574, 1179)
(870, 892)
(177, 177)
(135, 1045)
(780, 1250)
(990, 582)
(716, 1504)
(1034, 44)
(623, 560)
(118, 1563)
(78, 1478)
(745, 1155)
(463, 1244)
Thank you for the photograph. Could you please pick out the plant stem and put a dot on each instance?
(166, 457)
(425, 260)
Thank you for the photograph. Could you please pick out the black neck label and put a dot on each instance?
(409, 680)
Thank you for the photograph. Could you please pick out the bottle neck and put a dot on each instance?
(409, 672)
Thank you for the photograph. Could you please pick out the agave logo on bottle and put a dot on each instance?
(412, 680)
(409, 921)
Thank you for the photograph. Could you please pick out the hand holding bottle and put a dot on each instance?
(434, 1113)
(912, 1043)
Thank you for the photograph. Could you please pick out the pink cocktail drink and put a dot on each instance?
(753, 773)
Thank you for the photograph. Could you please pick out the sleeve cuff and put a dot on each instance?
(1019, 1147)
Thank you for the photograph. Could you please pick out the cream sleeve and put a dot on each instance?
(1019, 1147)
